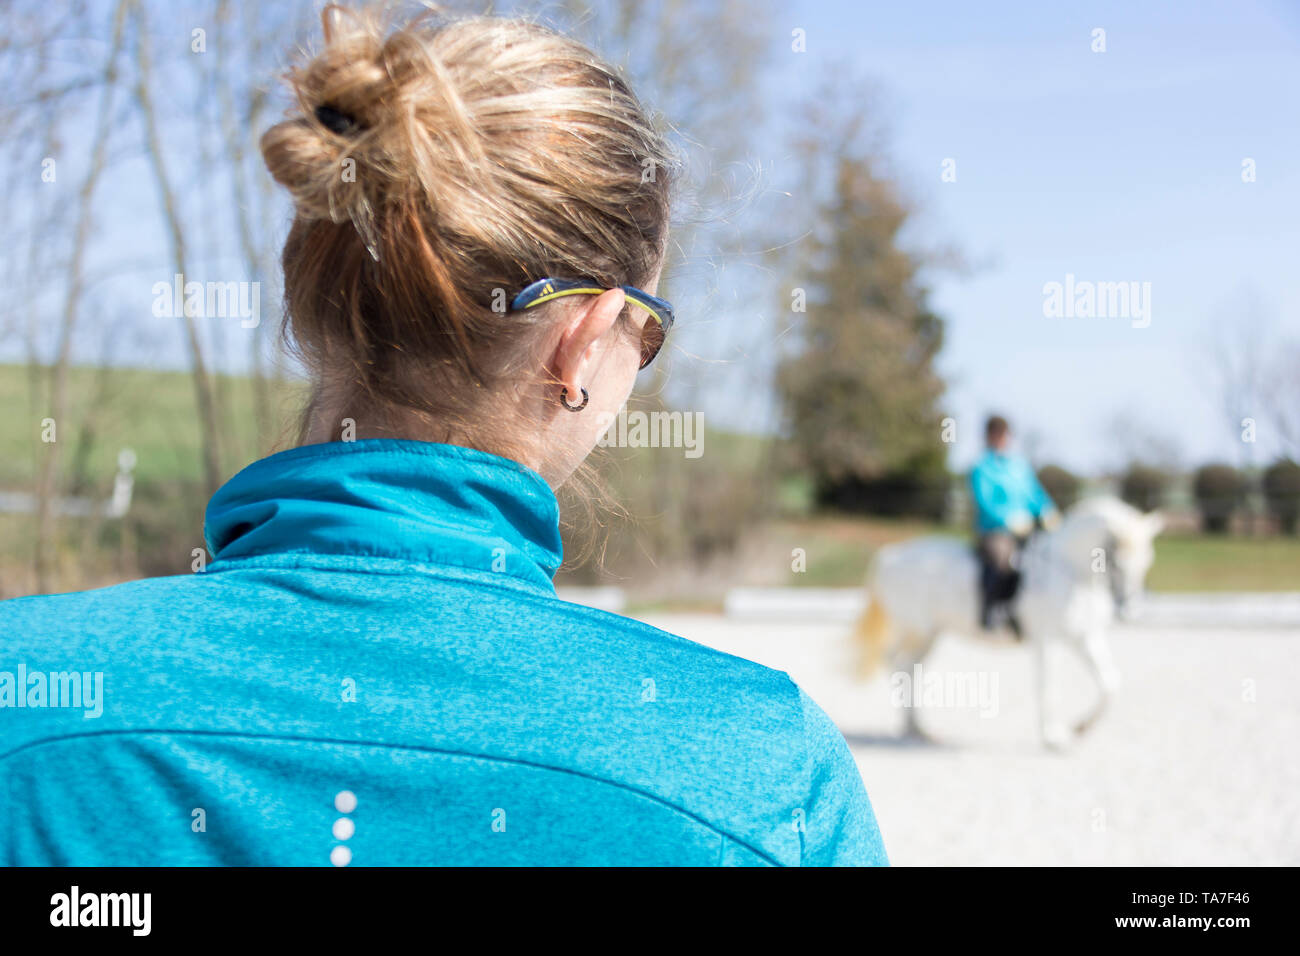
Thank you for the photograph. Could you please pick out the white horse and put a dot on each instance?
(1074, 582)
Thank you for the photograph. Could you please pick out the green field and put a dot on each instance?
(1213, 563)
(153, 414)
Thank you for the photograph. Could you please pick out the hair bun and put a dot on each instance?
(334, 152)
(306, 163)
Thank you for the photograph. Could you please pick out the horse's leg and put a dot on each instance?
(1054, 733)
(911, 718)
(1095, 652)
(912, 650)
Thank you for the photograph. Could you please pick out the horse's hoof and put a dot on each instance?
(1056, 737)
(913, 734)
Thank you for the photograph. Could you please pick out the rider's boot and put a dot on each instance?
(988, 596)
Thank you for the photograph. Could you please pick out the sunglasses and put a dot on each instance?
(653, 332)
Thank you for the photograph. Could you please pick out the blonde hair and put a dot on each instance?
(438, 167)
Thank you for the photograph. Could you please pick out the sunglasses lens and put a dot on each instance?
(652, 340)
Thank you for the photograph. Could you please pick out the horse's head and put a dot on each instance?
(1116, 540)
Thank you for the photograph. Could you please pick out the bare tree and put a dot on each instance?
(1280, 396)
(46, 544)
(1136, 441)
(1256, 371)
(209, 418)
(243, 93)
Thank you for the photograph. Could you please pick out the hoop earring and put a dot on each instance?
(574, 408)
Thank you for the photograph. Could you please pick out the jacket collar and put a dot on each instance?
(391, 499)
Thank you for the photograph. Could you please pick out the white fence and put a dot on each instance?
(117, 505)
(843, 605)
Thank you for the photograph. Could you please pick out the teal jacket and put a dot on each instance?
(374, 669)
(1005, 487)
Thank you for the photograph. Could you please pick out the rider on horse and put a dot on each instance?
(1009, 503)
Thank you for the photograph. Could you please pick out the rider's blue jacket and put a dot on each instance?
(375, 669)
(1006, 492)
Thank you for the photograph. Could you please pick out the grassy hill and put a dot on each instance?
(153, 413)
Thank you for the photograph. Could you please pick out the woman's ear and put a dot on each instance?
(572, 362)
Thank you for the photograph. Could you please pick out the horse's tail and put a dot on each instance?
(871, 632)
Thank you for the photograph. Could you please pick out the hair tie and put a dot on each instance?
(334, 120)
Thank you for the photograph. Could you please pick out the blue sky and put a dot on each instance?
(1122, 165)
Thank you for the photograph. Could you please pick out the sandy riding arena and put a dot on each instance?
(1196, 764)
